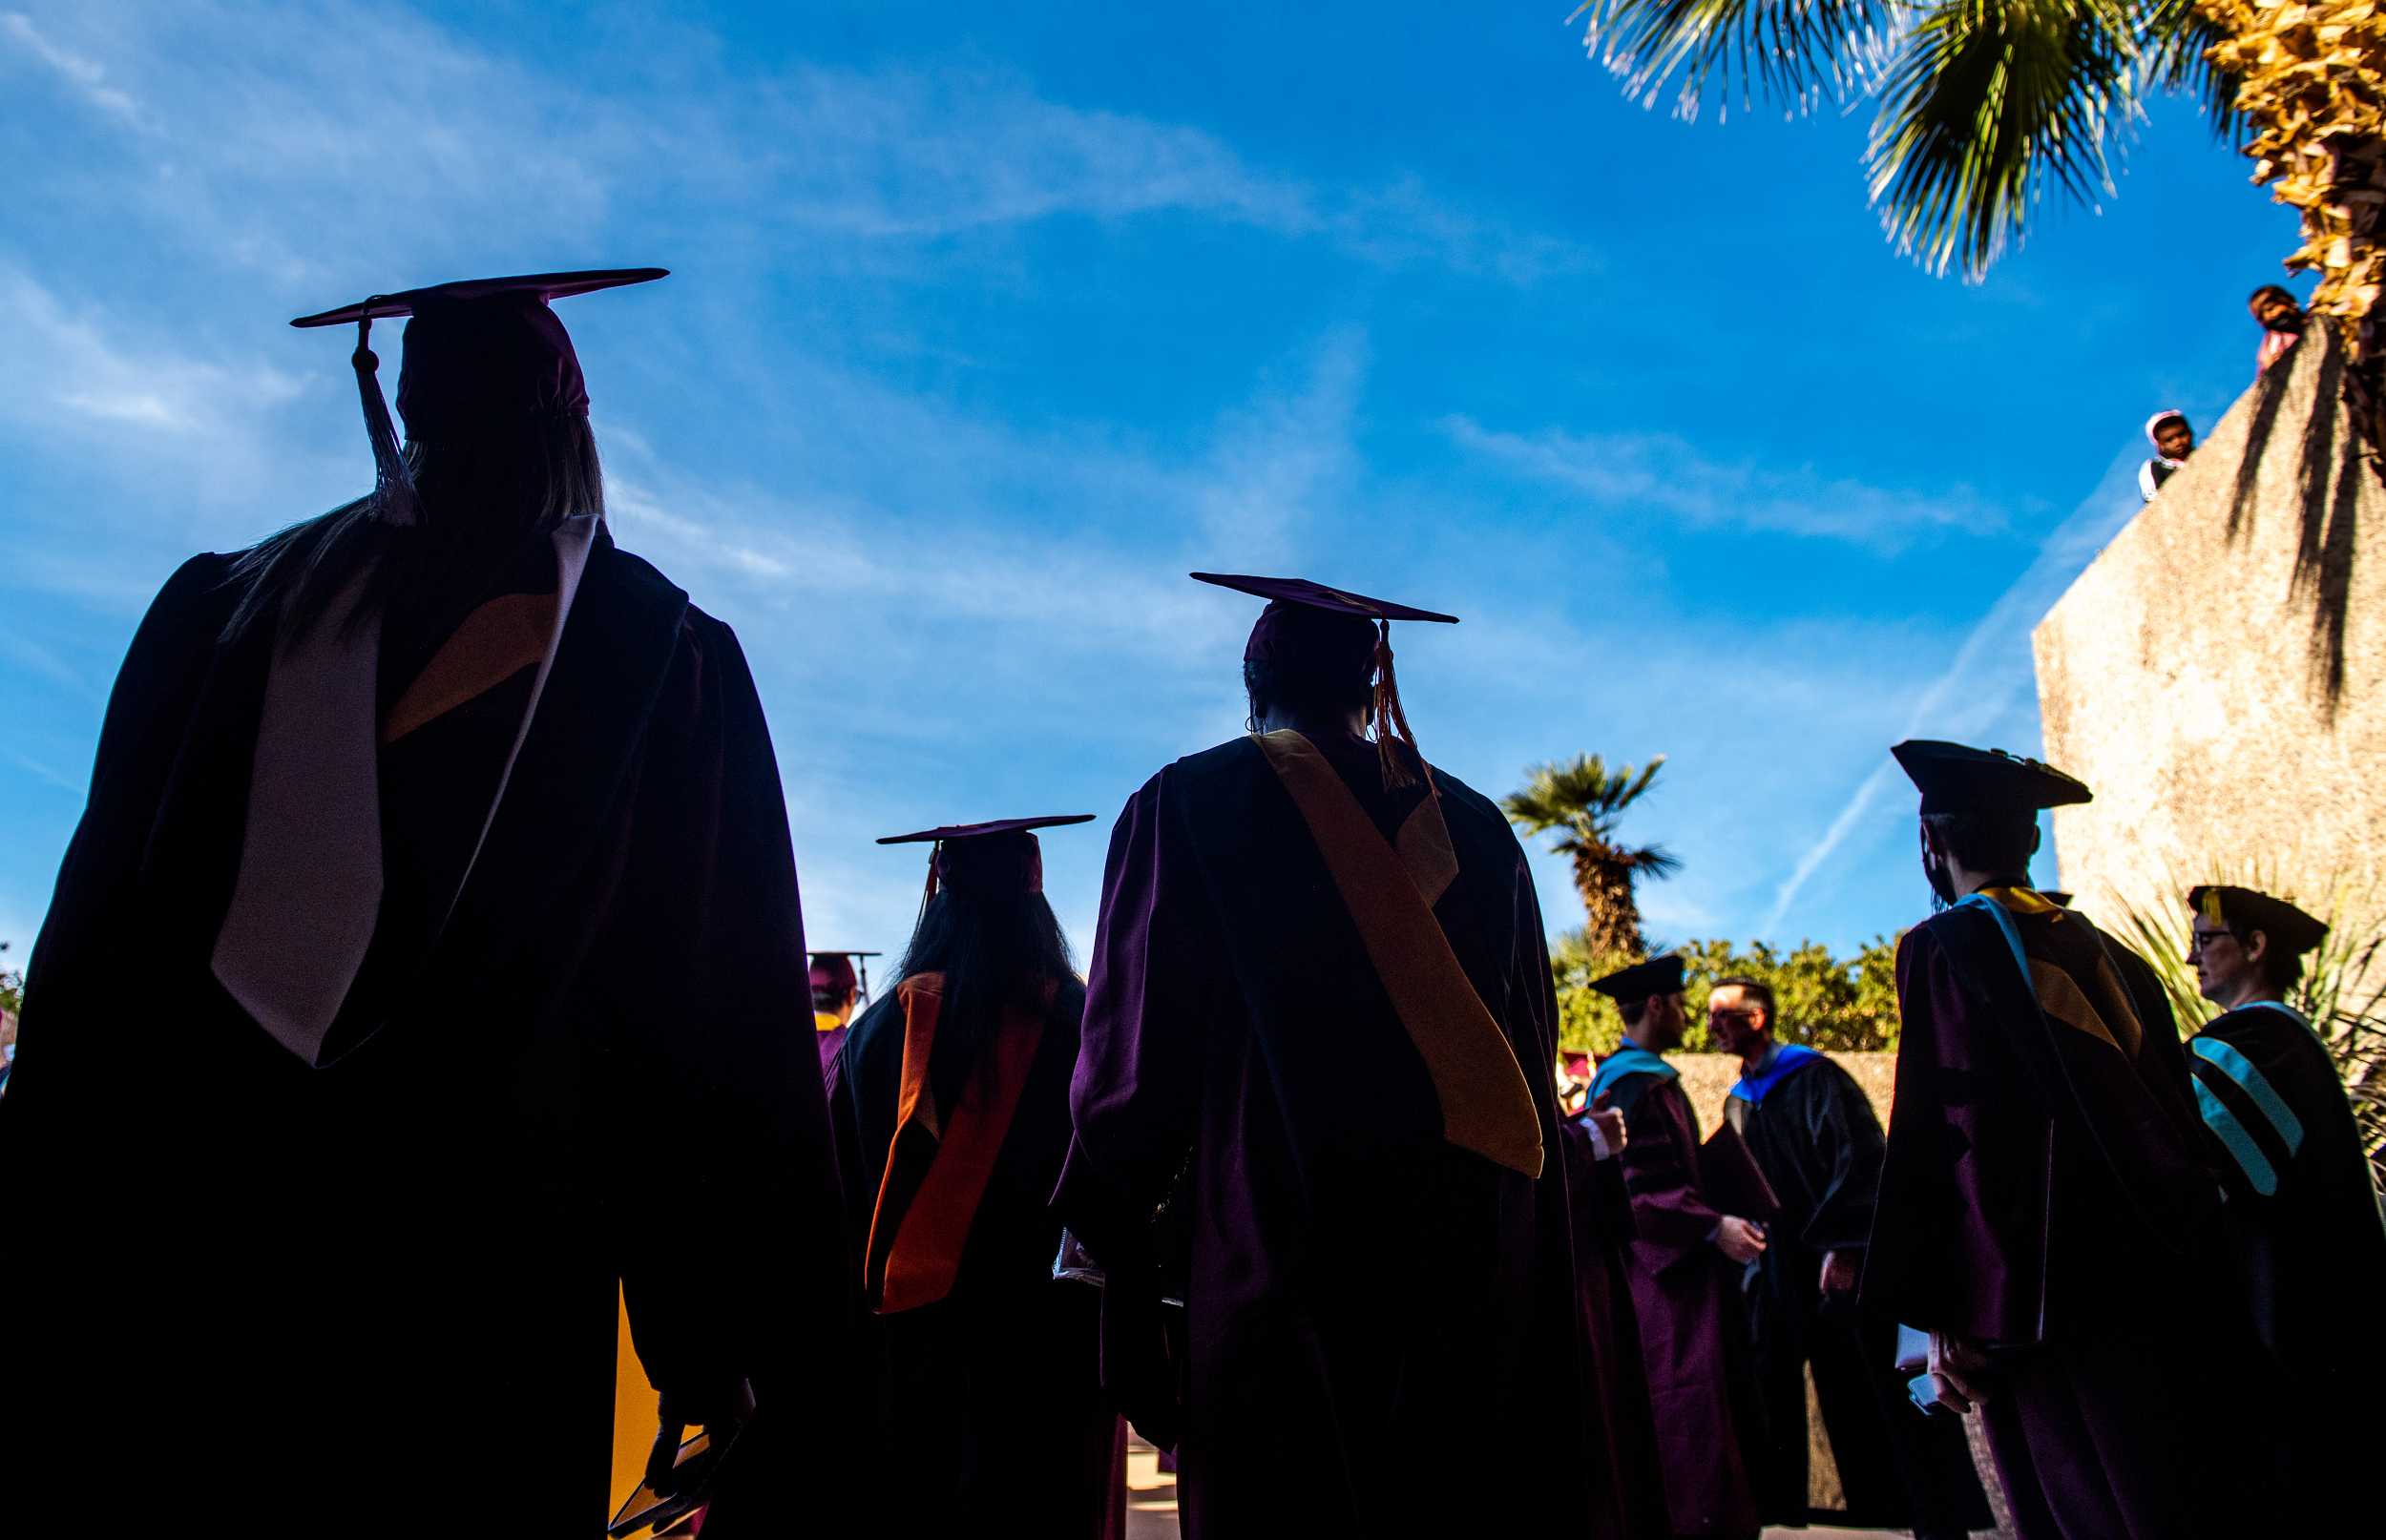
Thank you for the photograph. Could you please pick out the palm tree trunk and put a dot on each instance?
(2311, 83)
(1611, 913)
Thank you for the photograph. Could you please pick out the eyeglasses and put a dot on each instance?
(2198, 940)
(1730, 1015)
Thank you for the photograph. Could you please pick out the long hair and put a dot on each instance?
(482, 496)
(997, 954)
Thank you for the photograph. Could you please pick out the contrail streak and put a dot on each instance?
(1979, 685)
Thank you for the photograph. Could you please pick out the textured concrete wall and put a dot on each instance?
(2215, 674)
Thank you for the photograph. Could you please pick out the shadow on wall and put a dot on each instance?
(2331, 461)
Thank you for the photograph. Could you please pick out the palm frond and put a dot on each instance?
(1579, 797)
(1987, 102)
(2179, 40)
(1792, 51)
(1650, 861)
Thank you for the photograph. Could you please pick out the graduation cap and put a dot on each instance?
(2243, 909)
(1955, 778)
(478, 350)
(998, 860)
(1643, 981)
(1334, 634)
(836, 972)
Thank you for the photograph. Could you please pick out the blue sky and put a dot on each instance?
(985, 328)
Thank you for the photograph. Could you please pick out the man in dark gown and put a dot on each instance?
(952, 1108)
(1382, 1332)
(1814, 1135)
(2045, 1213)
(2303, 1210)
(335, 1122)
(1688, 1263)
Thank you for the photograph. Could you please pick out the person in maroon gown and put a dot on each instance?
(2303, 1206)
(1593, 1140)
(951, 1110)
(319, 1208)
(1381, 1329)
(2046, 1214)
(1688, 1262)
(834, 986)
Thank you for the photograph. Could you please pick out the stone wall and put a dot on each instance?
(1706, 1079)
(2215, 674)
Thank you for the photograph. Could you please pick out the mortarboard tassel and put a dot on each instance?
(1390, 720)
(929, 895)
(393, 485)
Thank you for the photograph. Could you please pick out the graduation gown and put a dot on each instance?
(1382, 1330)
(2304, 1229)
(989, 1404)
(1611, 1328)
(831, 1035)
(381, 1293)
(1812, 1133)
(1686, 1294)
(2045, 1195)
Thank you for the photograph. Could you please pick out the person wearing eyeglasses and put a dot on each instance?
(2302, 1215)
(1814, 1135)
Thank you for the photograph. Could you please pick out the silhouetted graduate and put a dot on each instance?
(1591, 1143)
(1320, 1030)
(2046, 1213)
(2303, 1209)
(428, 957)
(1687, 1261)
(1812, 1133)
(952, 1105)
(835, 985)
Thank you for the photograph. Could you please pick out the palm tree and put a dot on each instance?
(1984, 103)
(1580, 800)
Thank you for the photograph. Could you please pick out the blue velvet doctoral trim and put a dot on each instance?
(2255, 1085)
(1786, 1058)
(1626, 1060)
(2231, 1133)
(2012, 932)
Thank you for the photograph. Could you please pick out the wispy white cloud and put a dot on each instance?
(70, 370)
(1280, 454)
(38, 658)
(280, 129)
(1991, 672)
(85, 76)
(56, 779)
(1666, 475)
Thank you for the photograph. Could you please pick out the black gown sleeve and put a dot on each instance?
(149, 712)
(1848, 1152)
(737, 1269)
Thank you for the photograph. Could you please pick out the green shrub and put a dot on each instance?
(1844, 1003)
